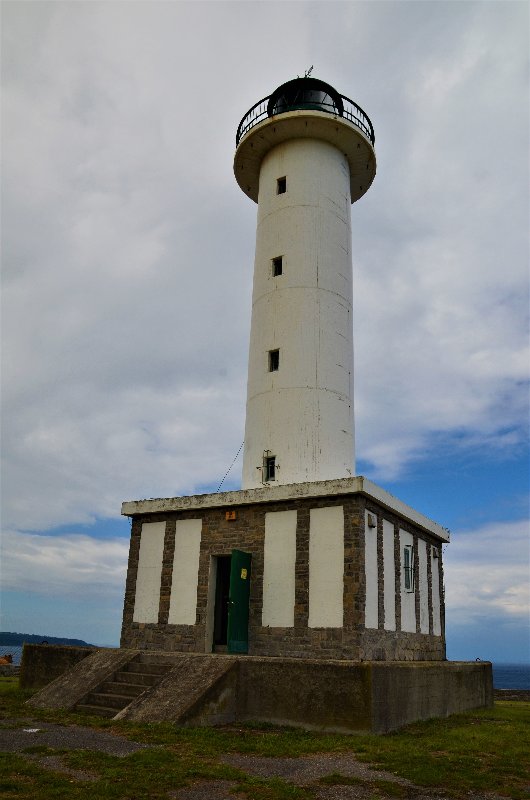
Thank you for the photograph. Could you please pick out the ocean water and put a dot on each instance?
(511, 676)
(505, 676)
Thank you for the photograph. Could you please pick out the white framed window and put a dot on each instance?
(408, 567)
(269, 468)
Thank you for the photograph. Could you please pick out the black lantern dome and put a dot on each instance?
(305, 93)
(299, 109)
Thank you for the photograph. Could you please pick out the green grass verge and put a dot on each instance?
(481, 751)
(6, 684)
(485, 751)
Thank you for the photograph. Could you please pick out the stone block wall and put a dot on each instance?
(379, 644)
(352, 641)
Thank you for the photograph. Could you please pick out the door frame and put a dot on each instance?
(210, 605)
(210, 601)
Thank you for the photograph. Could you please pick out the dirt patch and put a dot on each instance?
(15, 737)
(308, 769)
(206, 790)
(56, 764)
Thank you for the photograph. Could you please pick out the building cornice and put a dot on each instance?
(293, 491)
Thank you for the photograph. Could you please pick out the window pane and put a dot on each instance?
(270, 468)
(274, 360)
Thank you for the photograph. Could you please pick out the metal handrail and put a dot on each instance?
(352, 112)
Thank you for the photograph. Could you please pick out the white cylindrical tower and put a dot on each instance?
(304, 154)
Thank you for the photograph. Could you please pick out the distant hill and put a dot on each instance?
(17, 639)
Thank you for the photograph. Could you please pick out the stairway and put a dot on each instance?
(124, 686)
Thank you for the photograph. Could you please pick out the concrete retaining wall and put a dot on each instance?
(43, 663)
(322, 695)
(342, 696)
(405, 693)
(354, 697)
(72, 686)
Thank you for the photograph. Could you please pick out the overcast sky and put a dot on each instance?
(127, 268)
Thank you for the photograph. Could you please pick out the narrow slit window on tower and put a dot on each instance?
(281, 185)
(274, 360)
(269, 468)
(277, 266)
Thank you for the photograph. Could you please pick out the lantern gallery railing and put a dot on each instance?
(343, 108)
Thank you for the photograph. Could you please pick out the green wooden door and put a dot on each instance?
(238, 602)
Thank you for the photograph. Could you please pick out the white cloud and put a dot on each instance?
(64, 565)
(487, 574)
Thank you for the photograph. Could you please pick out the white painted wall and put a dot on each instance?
(371, 610)
(147, 598)
(389, 572)
(435, 573)
(408, 607)
(326, 567)
(303, 412)
(183, 603)
(279, 569)
(423, 587)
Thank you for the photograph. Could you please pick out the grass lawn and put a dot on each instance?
(478, 753)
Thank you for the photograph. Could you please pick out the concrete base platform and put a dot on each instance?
(370, 696)
(341, 696)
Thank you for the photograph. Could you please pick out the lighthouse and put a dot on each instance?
(306, 559)
(282, 599)
(310, 596)
(304, 155)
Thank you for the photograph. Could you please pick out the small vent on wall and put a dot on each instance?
(372, 522)
(274, 360)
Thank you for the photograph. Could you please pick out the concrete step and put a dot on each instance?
(164, 659)
(96, 711)
(116, 701)
(124, 686)
(147, 668)
(137, 678)
(190, 680)
(120, 687)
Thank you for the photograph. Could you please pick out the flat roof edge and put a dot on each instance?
(291, 491)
